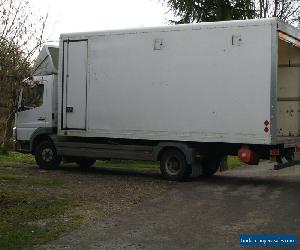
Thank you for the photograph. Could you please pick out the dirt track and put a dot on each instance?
(201, 214)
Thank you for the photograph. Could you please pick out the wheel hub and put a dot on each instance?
(47, 154)
(173, 166)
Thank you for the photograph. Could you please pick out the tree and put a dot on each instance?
(21, 35)
(286, 10)
(188, 11)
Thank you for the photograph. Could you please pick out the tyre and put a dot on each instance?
(85, 163)
(46, 156)
(173, 165)
(211, 165)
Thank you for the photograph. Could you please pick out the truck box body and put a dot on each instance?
(231, 82)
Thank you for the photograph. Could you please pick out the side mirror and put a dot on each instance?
(19, 109)
(23, 108)
(18, 99)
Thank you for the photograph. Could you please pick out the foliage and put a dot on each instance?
(188, 11)
(21, 35)
(286, 10)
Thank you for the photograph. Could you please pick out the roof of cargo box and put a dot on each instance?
(289, 29)
(46, 62)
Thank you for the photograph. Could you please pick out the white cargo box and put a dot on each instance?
(234, 82)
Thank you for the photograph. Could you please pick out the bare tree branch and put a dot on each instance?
(22, 34)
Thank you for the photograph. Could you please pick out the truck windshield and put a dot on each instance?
(32, 97)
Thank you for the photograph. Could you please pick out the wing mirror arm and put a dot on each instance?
(23, 108)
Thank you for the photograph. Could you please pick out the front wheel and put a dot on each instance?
(46, 156)
(173, 165)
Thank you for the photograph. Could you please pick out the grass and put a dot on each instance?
(28, 218)
(14, 157)
(33, 208)
(234, 162)
(28, 215)
(9, 175)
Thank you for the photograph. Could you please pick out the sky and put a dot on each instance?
(88, 15)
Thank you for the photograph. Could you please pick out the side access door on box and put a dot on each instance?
(75, 57)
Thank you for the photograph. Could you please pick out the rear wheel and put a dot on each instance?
(173, 165)
(46, 156)
(211, 164)
(85, 163)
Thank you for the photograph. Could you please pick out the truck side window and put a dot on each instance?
(33, 96)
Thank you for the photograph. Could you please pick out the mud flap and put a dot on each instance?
(197, 169)
(224, 164)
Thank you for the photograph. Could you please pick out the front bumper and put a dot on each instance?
(22, 146)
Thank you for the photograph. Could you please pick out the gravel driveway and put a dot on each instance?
(201, 214)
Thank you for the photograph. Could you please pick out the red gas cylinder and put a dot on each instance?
(248, 156)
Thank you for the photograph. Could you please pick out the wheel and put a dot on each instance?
(211, 164)
(46, 156)
(85, 163)
(173, 165)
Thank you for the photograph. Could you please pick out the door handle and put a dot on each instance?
(42, 119)
(69, 109)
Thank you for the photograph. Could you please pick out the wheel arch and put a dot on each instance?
(41, 134)
(182, 147)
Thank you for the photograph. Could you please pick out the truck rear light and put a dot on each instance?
(266, 129)
(275, 152)
(248, 156)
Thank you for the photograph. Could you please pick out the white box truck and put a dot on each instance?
(184, 95)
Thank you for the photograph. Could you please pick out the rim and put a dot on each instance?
(47, 154)
(173, 166)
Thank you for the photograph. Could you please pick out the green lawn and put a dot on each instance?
(36, 206)
(14, 157)
(233, 162)
(28, 218)
(29, 215)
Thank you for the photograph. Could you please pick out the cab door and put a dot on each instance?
(32, 109)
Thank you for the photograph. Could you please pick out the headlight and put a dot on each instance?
(14, 133)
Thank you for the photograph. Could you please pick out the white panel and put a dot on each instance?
(193, 86)
(76, 84)
(198, 86)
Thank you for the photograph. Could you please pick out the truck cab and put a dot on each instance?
(37, 103)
